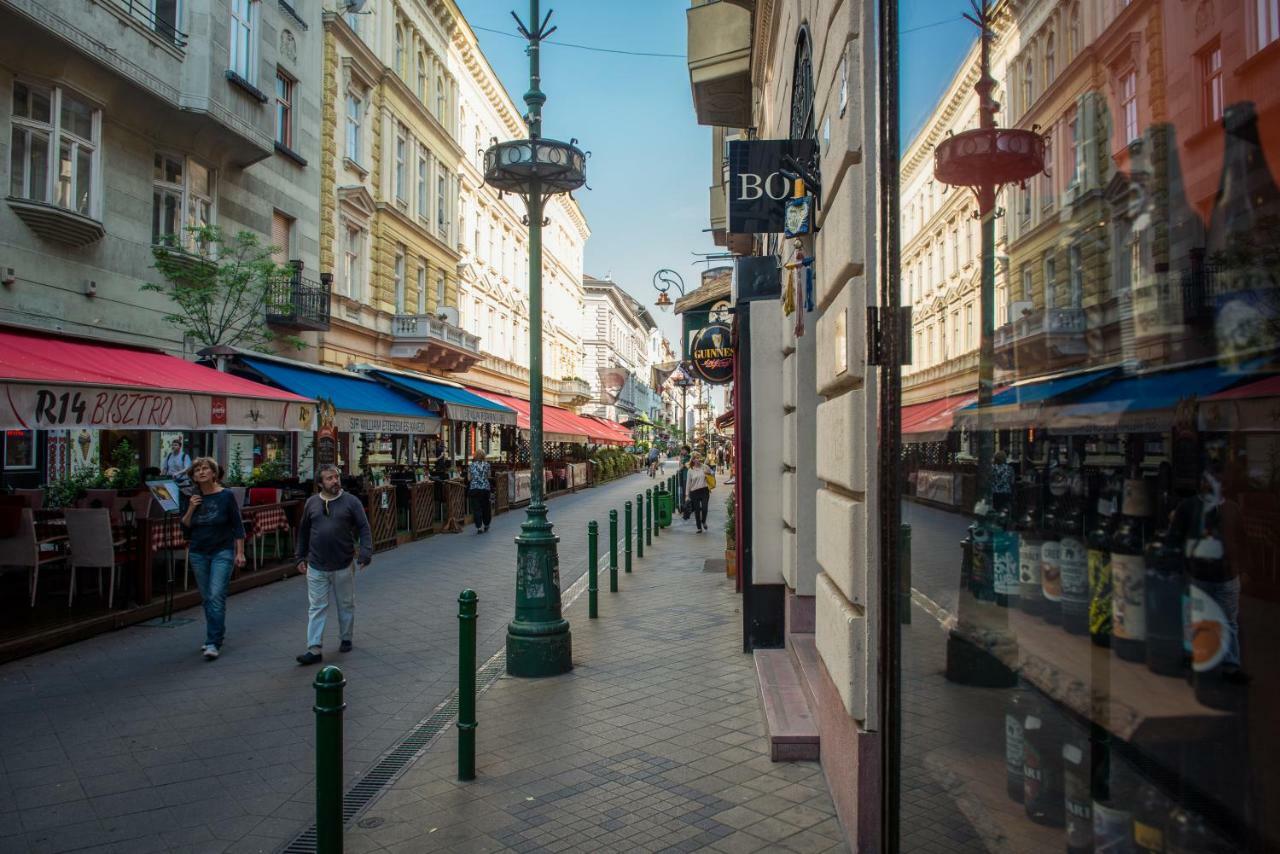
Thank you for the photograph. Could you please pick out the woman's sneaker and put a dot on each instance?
(210, 652)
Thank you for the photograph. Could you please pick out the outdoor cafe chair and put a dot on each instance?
(93, 546)
(24, 550)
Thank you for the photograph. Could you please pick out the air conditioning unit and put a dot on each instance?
(449, 314)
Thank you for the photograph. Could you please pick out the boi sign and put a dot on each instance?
(712, 354)
(758, 191)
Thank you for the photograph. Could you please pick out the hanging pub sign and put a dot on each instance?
(758, 191)
(712, 354)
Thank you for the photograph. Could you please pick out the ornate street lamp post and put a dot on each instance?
(662, 281)
(538, 639)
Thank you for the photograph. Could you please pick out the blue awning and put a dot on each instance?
(362, 405)
(1044, 391)
(459, 404)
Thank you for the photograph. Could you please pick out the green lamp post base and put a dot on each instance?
(538, 639)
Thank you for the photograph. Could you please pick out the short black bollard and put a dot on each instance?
(593, 581)
(639, 524)
(613, 551)
(467, 684)
(328, 708)
(648, 516)
(626, 539)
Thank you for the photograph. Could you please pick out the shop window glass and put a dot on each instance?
(1090, 662)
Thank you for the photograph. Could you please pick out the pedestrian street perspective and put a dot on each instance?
(692, 425)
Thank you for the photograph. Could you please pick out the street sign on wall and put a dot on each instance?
(758, 191)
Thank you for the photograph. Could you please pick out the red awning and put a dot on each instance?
(607, 432)
(558, 425)
(726, 420)
(931, 420)
(1249, 408)
(49, 381)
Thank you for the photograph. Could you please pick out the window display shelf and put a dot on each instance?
(1125, 697)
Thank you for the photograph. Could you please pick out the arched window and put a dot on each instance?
(1028, 85)
(400, 57)
(1073, 32)
(422, 77)
(803, 121)
(1049, 59)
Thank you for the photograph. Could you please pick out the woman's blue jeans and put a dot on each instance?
(213, 576)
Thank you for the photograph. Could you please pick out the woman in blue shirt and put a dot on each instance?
(211, 520)
(478, 490)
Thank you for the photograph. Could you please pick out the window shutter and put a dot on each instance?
(281, 227)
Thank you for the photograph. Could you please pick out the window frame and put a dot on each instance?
(54, 133)
(399, 285)
(247, 65)
(422, 286)
(442, 215)
(1128, 92)
(1211, 83)
(1265, 20)
(354, 135)
(284, 107)
(400, 165)
(354, 243)
(184, 240)
(423, 187)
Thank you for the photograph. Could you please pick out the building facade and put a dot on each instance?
(618, 342)
(493, 267)
(129, 124)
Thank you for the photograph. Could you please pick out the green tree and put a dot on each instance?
(220, 290)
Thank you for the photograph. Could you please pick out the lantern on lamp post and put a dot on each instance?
(538, 639)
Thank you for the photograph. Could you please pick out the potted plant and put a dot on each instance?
(730, 536)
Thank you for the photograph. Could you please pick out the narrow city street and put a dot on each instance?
(131, 742)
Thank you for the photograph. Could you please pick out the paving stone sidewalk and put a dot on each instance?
(654, 742)
(131, 743)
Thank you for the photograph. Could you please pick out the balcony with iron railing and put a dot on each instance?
(297, 302)
(430, 341)
(1040, 337)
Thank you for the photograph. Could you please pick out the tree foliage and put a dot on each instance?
(221, 288)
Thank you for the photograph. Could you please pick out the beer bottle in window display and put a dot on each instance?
(1098, 556)
(1165, 585)
(1128, 575)
(1051, 548)
(1072, 559)
(1042, 795)
(1150, 817)
(1020, 704)
(1113, 795)
(1005, 551)
(1030, 594)
(1076, 789)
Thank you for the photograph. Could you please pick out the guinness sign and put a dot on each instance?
(712, 354)
(758, 191)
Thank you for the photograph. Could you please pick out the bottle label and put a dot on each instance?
(1148, 839)
(1075, 575)
(1099, 568)
(1210, 631)
(1013, 744)
(1079, 819)
(1111, 830)
(1029, 568)
(1128, 589)
(1051, 570)
(1032, 775)
(1006, 558)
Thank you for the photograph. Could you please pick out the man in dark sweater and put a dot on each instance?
(333, 522)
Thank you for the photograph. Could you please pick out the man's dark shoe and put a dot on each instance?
(345, 647)
(310, 657)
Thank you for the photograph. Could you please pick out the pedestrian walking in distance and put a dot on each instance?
(211, 521)
(699, 491)
(478, 490)
(653, 461)
(333, 523)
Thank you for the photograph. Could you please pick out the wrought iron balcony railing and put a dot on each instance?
(297, 302)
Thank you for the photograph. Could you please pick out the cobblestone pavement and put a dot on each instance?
(655, 741)
(130, 742)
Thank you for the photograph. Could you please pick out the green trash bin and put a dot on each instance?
(664, 507)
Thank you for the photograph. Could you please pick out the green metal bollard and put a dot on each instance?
(657, 528)
(467, 684)
(639, 524)
(613, 551)
(626, 528)
(328, 708)
(648, 516)
(593, 582)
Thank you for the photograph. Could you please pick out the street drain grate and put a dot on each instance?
(394, 763)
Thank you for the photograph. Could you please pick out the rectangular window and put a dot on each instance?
(243, 38)
(422, 286)
(1267, 20)
(968, 327)
(399, 280)
(1073, 140)
(440, 98)
(1129, 105)
(401, 164)
(284, 109)
(1046, 177)
(424, 184)
(1026, 283)
(182, 200)
(1050, 282)
(54, 120)
(352, 267)
(442, 193)
(1075, 269)
(422, 77)
(1211, 85)
(1024, 215)
(439, 289)
(281, 237)
(355, 113)
(955, 252)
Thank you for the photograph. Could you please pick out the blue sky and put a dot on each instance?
(651, 162)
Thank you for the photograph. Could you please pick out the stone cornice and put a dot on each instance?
(408, 223)
(478, 66)
(407, 96)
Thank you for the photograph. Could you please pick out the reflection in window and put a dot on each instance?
(1211, 84)
(1129, 105)
(47, 120)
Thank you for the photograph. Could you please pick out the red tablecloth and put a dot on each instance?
(265, 519)
(166, 533)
